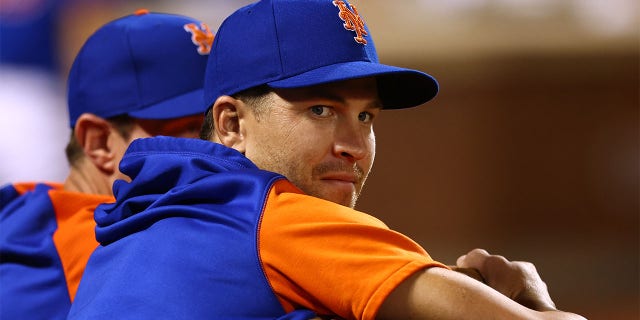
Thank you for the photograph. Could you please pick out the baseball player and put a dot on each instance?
(138, 76)
(262, 207)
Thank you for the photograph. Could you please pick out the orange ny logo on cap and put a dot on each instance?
(352, 21)
(200, 36)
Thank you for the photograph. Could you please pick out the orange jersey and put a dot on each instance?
(350, 259)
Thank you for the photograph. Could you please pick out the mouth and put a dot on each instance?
(341, 183)
(340, 178)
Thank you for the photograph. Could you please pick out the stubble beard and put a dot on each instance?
(304, 180)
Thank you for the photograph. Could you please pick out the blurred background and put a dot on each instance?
(531, 149)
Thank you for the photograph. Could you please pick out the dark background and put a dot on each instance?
(534, 157)
(531, 149)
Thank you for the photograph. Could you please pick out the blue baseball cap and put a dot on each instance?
(300, 43)
(145, 65)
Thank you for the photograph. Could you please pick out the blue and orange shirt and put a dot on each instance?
(200, 233)
(46, 238)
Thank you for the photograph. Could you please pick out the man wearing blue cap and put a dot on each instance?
(261, 222)
(138, 76)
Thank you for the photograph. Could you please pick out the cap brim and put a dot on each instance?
(397, 87)
(184, 105)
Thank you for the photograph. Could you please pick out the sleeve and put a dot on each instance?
(330, 258)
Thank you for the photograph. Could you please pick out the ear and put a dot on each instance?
(92, 133)
(227, 114)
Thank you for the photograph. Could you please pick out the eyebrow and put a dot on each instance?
(375, 105)
(325, 94)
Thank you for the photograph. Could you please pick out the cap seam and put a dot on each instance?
(135, 68)
(275, 25)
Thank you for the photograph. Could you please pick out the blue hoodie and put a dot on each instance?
(201, 233)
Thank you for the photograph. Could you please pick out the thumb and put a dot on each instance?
(462, 261)
(473, 259)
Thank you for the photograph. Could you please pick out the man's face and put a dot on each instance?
(321, 138)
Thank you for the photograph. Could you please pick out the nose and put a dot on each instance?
(353, 141)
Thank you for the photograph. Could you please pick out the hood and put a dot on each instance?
(167, 172)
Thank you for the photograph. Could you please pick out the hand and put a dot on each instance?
(517, 280)
(470, 272)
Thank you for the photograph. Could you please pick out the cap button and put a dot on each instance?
(140, 12)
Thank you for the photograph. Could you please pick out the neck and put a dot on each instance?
(88, 179)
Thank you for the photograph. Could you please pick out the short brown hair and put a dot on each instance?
(254, 97)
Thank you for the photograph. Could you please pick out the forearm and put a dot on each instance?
(443, 294)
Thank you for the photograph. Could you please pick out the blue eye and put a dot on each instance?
(320, 110)
(364, 116)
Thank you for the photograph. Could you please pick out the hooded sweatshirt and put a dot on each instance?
(201, 233)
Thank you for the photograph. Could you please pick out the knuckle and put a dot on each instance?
(496, 262)
(478, 252)
(525, 266)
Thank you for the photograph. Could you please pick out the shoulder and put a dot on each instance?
(290, 202)
(17, 194)
(26, 212)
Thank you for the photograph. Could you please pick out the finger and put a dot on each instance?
(473, 273)
(479, 251)
(474, 259)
